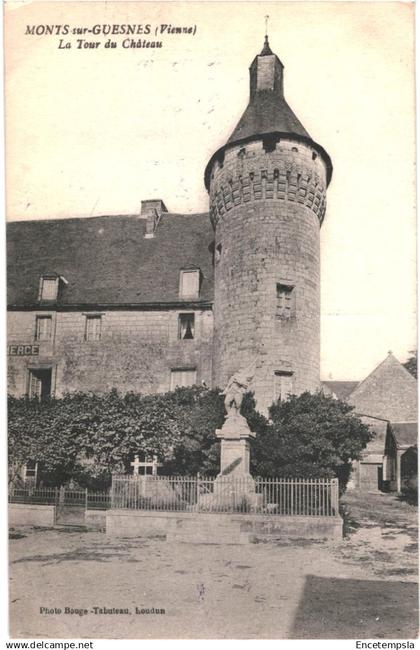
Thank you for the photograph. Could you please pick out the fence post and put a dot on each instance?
(198, 491)
(86, 498)
(335, 495)
(292, 490)
(112, 491)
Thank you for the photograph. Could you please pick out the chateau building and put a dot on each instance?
(155, 300)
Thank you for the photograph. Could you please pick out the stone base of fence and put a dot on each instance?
(95, 519)
(26, 514)
(218, 528)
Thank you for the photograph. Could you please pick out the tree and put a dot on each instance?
(89, 437)
(312, 435)
(411, 363)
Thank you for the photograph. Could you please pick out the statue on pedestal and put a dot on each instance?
(235, 390)
(234, 487)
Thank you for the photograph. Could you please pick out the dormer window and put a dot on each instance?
(48, 287)
(189, 284)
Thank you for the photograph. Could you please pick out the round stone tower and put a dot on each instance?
(267, 188)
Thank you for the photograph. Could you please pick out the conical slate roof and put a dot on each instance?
(267, 113)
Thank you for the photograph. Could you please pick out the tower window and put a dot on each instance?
(189, 284)
(93, 327)
(43, 328)
(283, 386)
(218, 252)
(183, 377)
(269, 143)
(48, 288)
(314, 155)
(186, 326)
(285, 301)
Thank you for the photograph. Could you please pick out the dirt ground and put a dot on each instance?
(364, 586)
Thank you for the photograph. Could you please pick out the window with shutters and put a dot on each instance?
(283, 386)
(183, 377)
(93, 327)
(186, 326)
(43, 328)
(285, 307)
(189, 284)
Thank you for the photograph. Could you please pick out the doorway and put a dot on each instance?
(40, 383)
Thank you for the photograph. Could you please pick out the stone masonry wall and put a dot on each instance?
(137, 351)
(266, 207)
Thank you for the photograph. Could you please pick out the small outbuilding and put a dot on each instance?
(386, 400)
(400, 460)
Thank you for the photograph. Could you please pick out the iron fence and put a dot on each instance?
(41, 496)
(98, 501)
(271, 496)
(60, 496)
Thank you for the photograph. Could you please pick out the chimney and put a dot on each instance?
(152, 210)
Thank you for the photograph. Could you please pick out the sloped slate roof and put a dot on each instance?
(267, 113)
(341, 389)
(405, 433)
(106, 260)
(389, 392)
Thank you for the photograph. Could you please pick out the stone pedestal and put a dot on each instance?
(234, 487)
(235, 448)
(234, 458)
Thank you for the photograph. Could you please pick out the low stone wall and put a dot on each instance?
(220, 528)
(95, 519)
(25, 514)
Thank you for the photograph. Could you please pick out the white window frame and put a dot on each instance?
(42, 284)
(98, 333)
(193, 294)
(39, 333)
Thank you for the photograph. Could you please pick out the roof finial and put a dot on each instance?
(266, 49)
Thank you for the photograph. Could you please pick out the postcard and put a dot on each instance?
(211, 345)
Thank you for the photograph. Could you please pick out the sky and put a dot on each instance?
(94, 131)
